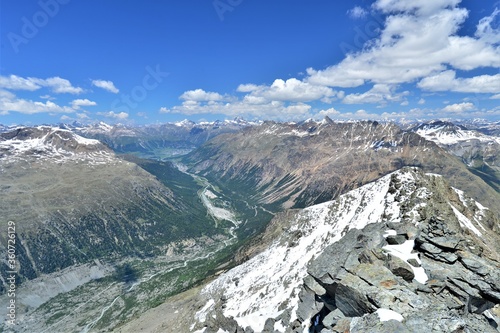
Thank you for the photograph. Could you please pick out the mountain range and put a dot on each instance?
(315, 226)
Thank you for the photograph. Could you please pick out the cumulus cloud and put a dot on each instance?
(106, 85)
(113, 115)
(14, 82)
(268, 110)
(59, 85)
(419, 39)
(56, 84)
(77, 103)
(331, 112)
(380, 93)
(459, 107)
(447, 81)
(418, 46)
(292, 90)
(11, 103)
(200, 95)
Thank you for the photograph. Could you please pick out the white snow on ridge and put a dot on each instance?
(443, 137)
(256, 289)
(465, 222)
(46, 147)
(386, 314)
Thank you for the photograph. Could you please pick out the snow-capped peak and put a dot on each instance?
(446, 133)
(47, 143)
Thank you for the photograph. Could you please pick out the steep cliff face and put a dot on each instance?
(296, 165)
(73, 200)
(407, 253)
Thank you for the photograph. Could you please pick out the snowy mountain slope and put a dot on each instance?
(51, 144)
(268, 288)
(480, 152)
(445, 133)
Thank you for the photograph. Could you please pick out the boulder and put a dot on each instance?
(350, 297)
(400, 268)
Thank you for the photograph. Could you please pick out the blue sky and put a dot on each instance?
(157, 61)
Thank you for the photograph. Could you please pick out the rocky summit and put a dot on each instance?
(406, 253)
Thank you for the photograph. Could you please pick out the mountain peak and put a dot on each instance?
(45, 142)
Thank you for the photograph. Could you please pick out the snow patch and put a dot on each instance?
(464, 221)
(404, 252)
(201, 315)
(386, 315)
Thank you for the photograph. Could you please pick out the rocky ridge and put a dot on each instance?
(407, 253)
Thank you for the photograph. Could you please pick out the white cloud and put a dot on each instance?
(380, 93)
(497, 96)
(422, 7)
(77, 103)
(459, 108)
(106, 85)
(10, 103)
(60, 85)
(419, 39)
(15, 82)
(357, 12)
(331, 112)
(269, 110)
(247, 87)
(200, 95)
(418, 45)
(447, 81)
(291, 90)
(485, 31)
(56, 84)
(113, 115)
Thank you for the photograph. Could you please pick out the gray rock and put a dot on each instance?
(314, 286)
(396, 239)
(269, 326)
(332, 318)
(371, 323)
(447, 257)
(350, 297)
(429, 248)
(413, 262)
(447, 243)
(400, 268)
(307, 305)
(378, 276)
(343, 325)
